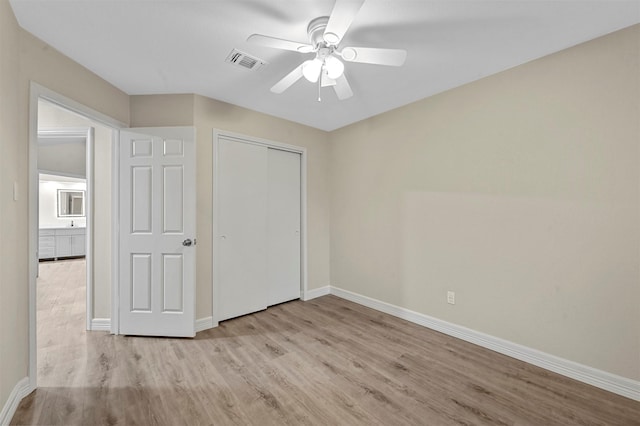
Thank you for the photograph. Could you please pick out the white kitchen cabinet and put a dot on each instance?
(55, 243)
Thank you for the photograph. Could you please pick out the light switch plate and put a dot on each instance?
(451, 297)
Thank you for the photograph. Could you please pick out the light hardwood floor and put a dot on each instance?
(323, 362)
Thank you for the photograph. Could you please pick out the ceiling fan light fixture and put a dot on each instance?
(311, 69)
(326, 33)
(334, 67)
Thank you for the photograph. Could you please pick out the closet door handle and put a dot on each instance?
(187, 242)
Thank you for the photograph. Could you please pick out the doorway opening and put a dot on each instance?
(70, 238)
(65, 192)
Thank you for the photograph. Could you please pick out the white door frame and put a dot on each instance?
(36, 93)
(217, 134)
(115, 230)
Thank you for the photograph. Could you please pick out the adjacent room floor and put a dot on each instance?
(61, 310)
(325, 362)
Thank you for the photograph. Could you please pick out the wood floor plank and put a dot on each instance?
(323, 362)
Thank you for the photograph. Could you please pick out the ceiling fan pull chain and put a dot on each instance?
(320, 85)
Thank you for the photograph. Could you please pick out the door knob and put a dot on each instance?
(187, 242)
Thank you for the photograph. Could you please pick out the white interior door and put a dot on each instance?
(157, 232)
(242, 233)
(283, 217)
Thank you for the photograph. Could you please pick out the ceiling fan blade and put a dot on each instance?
(278, 43)
(342, 88)
(342, 15)
(288, 80)
(373, 55)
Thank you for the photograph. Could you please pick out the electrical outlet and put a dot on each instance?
(451, 297)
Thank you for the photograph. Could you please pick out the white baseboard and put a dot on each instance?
(205, 324)
(20, 390)
(101, 324)
(601, 379)
(316, 292)
(104, 324)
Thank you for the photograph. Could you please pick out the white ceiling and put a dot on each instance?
(179, 46)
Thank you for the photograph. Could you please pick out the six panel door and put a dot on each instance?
(157, 221)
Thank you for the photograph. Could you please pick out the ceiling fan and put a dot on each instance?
(325, 34)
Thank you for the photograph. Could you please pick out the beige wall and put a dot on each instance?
(51, 117)
(162, 110)
(520, 192)
(209, 114)
(13, 251)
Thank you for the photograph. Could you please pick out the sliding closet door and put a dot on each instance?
(283, 221)
(258, 232)
(242, 233)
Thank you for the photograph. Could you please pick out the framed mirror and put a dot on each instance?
(70, 203)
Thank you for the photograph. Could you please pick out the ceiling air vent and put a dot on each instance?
(244, 60)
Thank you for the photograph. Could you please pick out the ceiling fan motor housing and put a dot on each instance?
(315, 30)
